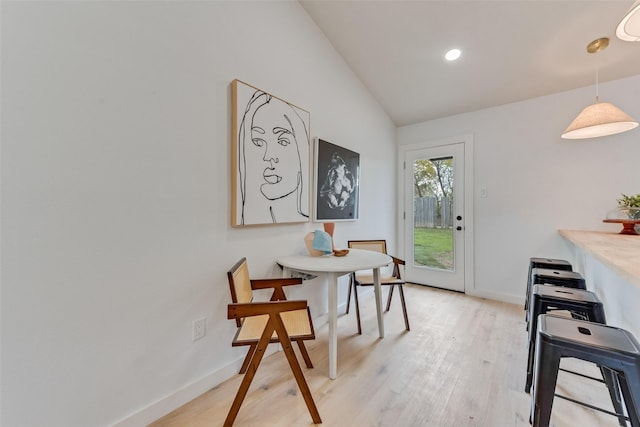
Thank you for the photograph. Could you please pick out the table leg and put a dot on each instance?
(332, 283)
(378, 294)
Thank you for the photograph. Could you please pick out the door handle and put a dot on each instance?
(458, 228)
(459, 218)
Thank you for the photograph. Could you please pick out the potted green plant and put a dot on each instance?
(630, 205)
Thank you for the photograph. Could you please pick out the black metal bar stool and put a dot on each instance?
(607, 346)
(565, 278)
(545, 299)
(582, 304)
(548, 263)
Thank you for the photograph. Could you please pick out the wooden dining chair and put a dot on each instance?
(248, 332)
(260, 323)
(392, 280)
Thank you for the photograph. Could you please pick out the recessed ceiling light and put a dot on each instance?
(452, 55)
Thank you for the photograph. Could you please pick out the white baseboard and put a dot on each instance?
(181, 396)
(512, 299)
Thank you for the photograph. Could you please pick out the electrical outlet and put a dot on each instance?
(199, 328)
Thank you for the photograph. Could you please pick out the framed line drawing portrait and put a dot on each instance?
(271, 150)
(337, 174)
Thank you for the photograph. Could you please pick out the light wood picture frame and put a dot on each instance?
(271, 152)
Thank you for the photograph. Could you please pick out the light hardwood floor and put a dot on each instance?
(462, 364)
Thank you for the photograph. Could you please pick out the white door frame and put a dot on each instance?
(467, 140)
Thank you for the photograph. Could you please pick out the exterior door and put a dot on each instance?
(434, 226)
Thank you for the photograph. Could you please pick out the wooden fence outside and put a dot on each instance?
(432, 212)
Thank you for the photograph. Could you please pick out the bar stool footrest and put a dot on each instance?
(615, 414)
(600, 380)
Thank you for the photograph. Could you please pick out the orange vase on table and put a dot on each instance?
(329, 227)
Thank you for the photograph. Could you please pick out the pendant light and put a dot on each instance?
(601, 118)
(629, 28)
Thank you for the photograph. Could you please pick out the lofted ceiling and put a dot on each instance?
(511, 50)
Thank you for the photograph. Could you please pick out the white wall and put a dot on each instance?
(116, 189)
(537, 182)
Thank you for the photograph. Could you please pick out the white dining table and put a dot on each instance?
(331, 267)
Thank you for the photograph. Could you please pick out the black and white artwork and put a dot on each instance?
(337, 185)
(270, 159)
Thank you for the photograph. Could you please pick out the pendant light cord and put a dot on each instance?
(597, 91)
(595, 47)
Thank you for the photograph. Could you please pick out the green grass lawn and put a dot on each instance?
(434, 247)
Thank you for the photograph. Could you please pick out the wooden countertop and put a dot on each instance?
(619, 252)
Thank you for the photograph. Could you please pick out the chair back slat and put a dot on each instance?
(369, 245)
(240, 283)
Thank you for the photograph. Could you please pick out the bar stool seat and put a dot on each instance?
(569, 279)
(607, 346)
(565, 278)
(548, 263)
